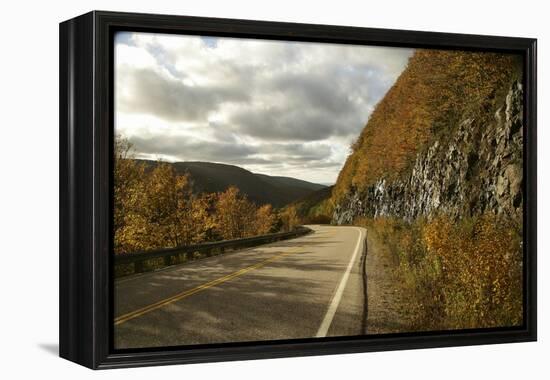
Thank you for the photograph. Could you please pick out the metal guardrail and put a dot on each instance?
(172, 256)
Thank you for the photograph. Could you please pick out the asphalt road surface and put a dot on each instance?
(311, 286)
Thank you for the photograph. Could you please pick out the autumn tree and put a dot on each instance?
(176, 216)
(129, 223)
(235, 214)
(155, 207)
(265, 220)
(199, 221)
(164, 206)
(289, 218)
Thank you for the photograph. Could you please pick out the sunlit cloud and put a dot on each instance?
(279, 108)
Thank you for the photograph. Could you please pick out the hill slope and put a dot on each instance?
(314, 207)
(445, 138)
(212, 177)
(436, 176)
(290, 182)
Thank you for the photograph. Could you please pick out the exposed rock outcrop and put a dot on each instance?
(479, 169)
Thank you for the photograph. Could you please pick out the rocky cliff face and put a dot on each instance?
(479, 169)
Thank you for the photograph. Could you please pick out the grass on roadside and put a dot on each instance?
(456, 274)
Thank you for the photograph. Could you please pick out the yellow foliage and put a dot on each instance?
(289, 218)
(481, 271)
(236, 216)
(265, 220)
(433, 93)
(154, 207)
(457, 274)
(128, 189)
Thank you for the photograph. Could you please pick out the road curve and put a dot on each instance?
(307, 287)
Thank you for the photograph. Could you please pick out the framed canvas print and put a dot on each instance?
(236, 189)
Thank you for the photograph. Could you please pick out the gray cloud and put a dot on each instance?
(318, 91)
(172, 99)
(324, 165)
(188, 149)
(305, 124)
(304, 152)
(280, 108)
(334, 101)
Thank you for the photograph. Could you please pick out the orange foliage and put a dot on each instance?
(156, 208)
(480, 271)
(435, 90)
(456, 274)
(289, 218)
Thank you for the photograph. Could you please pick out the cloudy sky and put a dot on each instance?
(278, 108)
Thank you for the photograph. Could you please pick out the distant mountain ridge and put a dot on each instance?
(210, 177)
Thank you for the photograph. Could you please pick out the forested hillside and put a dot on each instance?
(314, 208)
(436, 176)
(156, 204)
(211, 177)
(436, 90)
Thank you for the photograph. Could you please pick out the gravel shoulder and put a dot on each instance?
(387, 312)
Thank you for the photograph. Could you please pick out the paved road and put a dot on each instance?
(311, 286)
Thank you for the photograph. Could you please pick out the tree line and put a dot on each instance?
(155, 207)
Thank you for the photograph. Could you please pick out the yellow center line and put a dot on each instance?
(157, 305)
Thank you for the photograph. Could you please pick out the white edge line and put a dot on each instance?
(329, 316)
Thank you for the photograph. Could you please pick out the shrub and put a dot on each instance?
(457, 274)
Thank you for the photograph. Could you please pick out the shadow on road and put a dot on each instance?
(285, 299)
(278, 302)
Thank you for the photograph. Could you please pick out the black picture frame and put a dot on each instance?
(86, 139)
